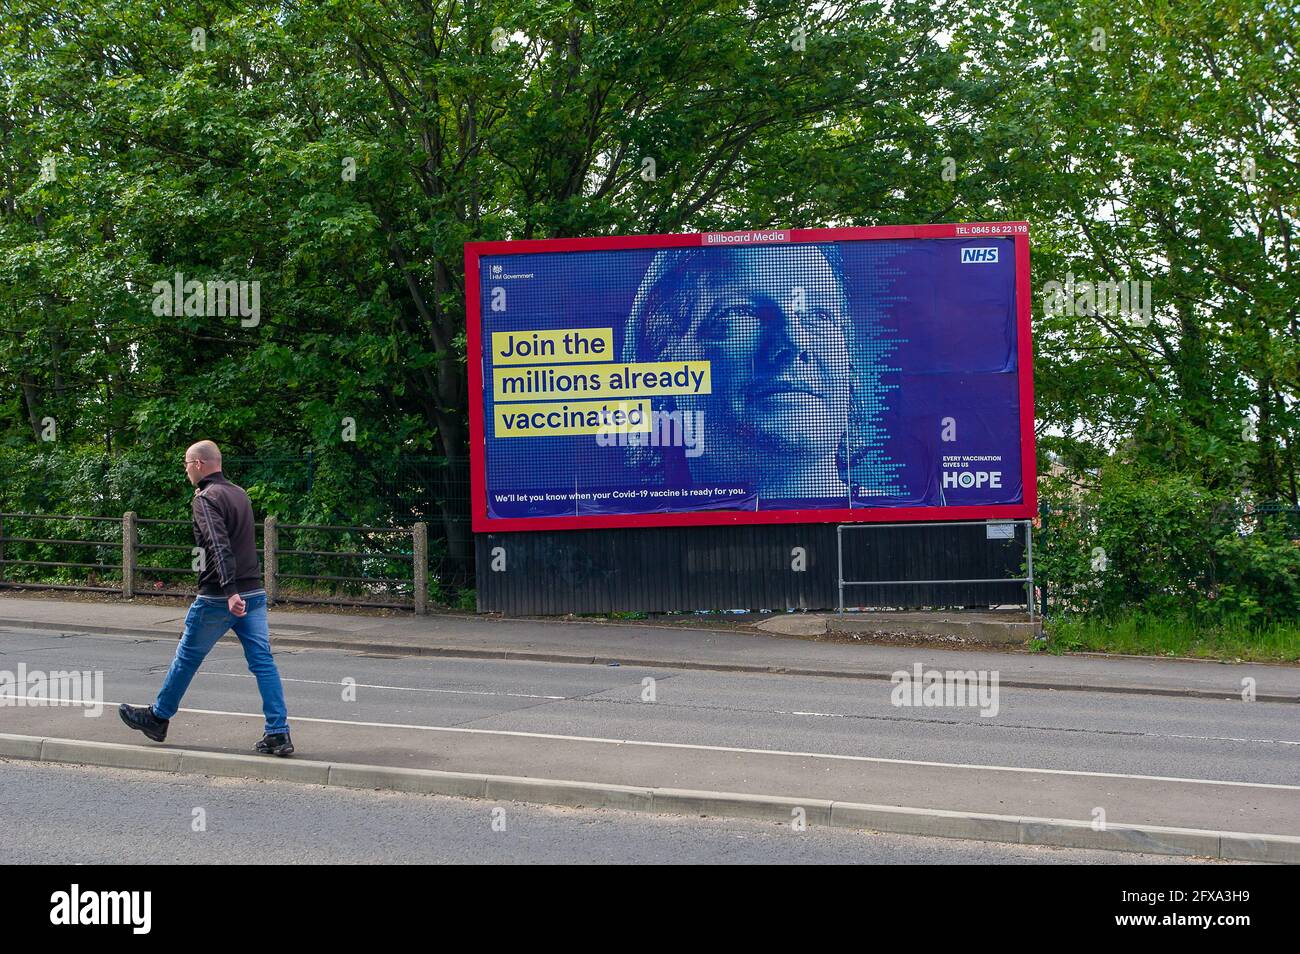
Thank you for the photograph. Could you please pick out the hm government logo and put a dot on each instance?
(77, 907)
(979, 256)
(499, 272)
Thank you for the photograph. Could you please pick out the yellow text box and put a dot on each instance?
(550, 347)
(578, 382)
(574, 417)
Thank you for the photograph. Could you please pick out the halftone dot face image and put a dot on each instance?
(775, 339)
(773, 323)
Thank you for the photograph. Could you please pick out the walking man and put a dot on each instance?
(230, 597)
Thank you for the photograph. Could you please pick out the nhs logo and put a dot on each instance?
(977, 256)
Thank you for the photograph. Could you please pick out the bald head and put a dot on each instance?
(202, 459)
(205, 450)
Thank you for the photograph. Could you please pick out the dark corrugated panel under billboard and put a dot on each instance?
(683, 569)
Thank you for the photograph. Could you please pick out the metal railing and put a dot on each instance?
(284, 569)
(1027, 579)
(98, 565)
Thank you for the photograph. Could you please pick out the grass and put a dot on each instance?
(1146, 634)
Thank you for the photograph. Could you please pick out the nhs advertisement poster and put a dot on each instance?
(802, 375)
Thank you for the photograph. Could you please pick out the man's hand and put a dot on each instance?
(236, 604)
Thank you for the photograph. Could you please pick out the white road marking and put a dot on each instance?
(460, 730)
(794, 712)
(366, 685)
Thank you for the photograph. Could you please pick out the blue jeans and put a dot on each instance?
(207, 621)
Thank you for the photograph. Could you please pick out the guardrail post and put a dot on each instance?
(1044, 512)
(420, 551)
(1029, 558)
(128, 554)
(839, 564)
(270, 557)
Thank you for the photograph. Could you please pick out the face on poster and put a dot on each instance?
(737, 379)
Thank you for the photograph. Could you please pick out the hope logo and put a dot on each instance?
(972, 478)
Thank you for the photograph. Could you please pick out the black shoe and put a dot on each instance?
(280, 745)
(142, 718)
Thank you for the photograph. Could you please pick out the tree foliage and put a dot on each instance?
(341, 153)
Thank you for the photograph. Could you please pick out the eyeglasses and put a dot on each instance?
(188, 462)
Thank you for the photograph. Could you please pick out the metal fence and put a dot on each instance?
(339, 488)
(1085, 559)
(106, 546)
(302, 563)
(926, 564)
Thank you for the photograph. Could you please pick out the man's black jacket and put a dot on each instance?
(223, 527)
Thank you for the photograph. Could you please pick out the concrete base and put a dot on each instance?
(968, 626)
(795, 624)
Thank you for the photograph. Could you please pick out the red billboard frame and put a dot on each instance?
(1027, 509)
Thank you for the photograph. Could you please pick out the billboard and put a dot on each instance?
(804, 375)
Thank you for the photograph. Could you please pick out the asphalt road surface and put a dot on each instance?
(58, 814)
(1144, 759)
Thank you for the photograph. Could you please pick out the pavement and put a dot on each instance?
(675, 646)
(1151, 755)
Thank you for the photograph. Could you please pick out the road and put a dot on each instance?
(58, 814)
(1143, 759)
